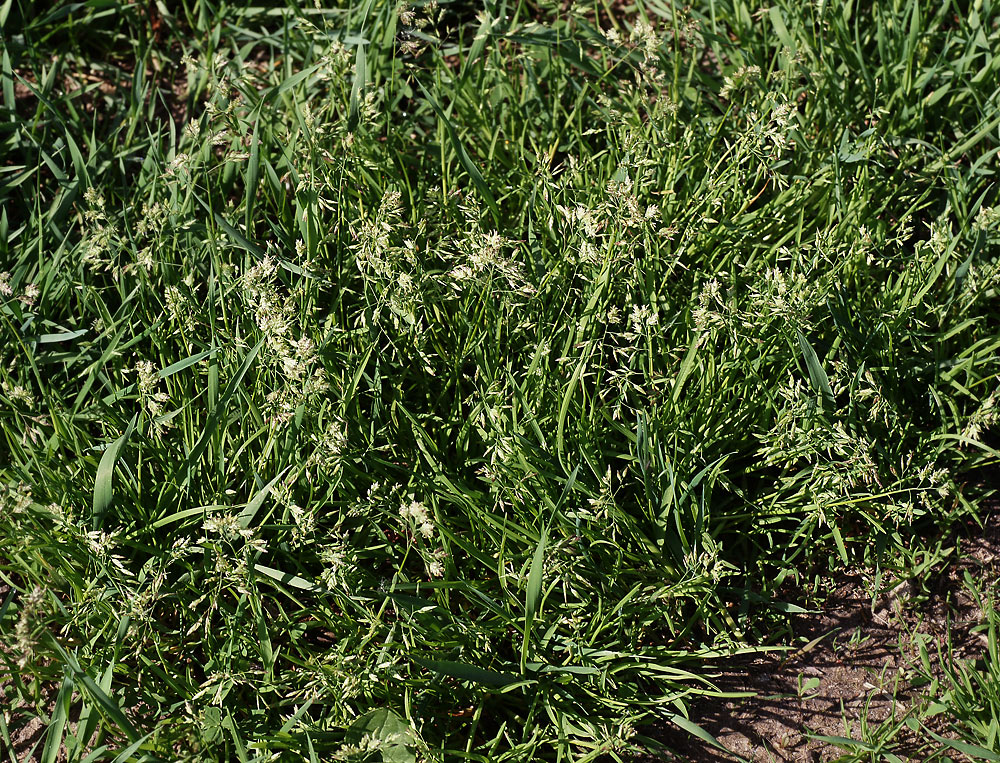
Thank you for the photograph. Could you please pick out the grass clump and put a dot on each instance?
(420, 381)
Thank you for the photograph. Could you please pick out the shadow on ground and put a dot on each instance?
(855, 679)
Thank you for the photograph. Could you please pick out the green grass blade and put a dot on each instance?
(104, 482)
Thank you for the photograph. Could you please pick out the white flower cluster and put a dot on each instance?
(376, 256)
(416, 515)
(743, 76)
(26, 627)
(987, 219)
(102, 237)
(15, 500)
(982, 419)
(276, 319)
(338, 561)
(227, 527)
(709, 312)
(101, 544)
(330, 447)
(641, 319)
(17, 393)
(181, 307)
(486, 254)
(147, 381)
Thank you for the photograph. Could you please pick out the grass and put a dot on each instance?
(442, 382)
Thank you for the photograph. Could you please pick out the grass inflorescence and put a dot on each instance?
(432, 381)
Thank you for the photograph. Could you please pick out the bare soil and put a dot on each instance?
(861, 674)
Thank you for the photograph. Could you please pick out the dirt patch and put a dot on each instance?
(99, 90)
(26, 734)
(855, 671)
(855, 674)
